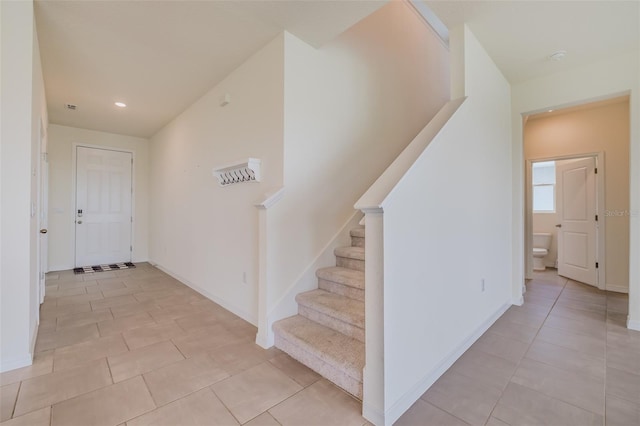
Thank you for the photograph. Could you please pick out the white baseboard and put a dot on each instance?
(247, 316)
(633, 324)
(617, 288)
(12, 364)
(411, 396)
(58, 268)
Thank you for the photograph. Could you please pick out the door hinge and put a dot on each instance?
(132, 219)
(596, 218)
(132, 162)
(130, 248)
(596, 170)
(596, 265)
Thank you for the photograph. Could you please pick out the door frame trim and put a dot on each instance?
(600, 209)
(74, 167)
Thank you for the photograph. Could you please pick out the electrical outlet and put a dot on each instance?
(482, 285)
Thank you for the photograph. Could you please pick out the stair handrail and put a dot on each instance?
(271, 198)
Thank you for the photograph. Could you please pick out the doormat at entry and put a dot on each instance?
(103, 268)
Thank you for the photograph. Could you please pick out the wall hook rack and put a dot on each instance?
(242, 171)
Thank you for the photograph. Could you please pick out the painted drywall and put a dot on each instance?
(62, 142)
(610, 77)
(204, 234)
(22, 90)
(599, 129)
(350, 108)
(447, 229)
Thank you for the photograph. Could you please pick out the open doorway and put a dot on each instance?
(601, 131)
(566, 199)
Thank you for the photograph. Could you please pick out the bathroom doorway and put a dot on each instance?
(565, 198)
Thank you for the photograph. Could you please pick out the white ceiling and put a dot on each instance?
(520, 35)
(160, 56)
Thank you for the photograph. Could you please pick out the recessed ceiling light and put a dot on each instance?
(550, 110)
(558, 56)
(121, 104)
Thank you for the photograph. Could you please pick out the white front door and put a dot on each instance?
(103, 206)
(576, 208)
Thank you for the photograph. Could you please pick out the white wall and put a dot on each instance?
(610, 77)
(22, 100)
(350, 108)
(204, 234)
(62, 142)
(447, 227)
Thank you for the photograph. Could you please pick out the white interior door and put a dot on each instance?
(576, 208)
(103, 206)
(43, 213)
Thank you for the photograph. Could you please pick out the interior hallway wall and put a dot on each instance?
(350, 108)
(62, 140)
(23, 111)
(201, 233)
(447, 277)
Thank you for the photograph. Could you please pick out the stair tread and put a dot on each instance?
(332, 347)
(350, 252)
(334, 305)
(358, 232)
(345, 276)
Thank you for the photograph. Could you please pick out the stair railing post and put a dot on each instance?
(373, 400)
(265, 337)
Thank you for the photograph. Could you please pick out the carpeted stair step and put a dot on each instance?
(343, 281)
(350, 257)
(334, 311)
(357, 237)
(331, 354)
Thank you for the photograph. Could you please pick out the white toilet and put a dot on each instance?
(541, 245)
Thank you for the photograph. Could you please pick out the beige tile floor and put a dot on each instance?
(140, 348)
(564, 358)
(137, 347)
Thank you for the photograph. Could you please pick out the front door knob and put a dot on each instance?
(559, 225)
(79, 222)
(43, 231)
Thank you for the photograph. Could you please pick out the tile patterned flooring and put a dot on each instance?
(137, 347)
(564, 358)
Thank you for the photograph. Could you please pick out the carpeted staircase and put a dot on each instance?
(327, 335)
